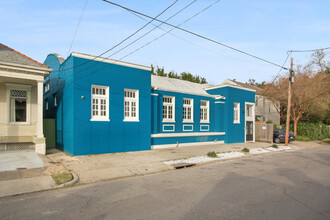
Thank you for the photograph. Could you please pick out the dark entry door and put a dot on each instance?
(249, 131)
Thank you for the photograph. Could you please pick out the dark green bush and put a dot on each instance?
(269, 122)
(314, 131)
(274, 146)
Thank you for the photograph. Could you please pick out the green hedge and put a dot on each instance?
(314, 131)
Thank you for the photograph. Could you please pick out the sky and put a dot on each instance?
(267, 29)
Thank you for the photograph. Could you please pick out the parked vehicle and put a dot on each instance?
(279, 136)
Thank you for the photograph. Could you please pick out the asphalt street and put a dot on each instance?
(287, 185)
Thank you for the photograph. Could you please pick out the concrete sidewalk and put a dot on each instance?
(94, 168)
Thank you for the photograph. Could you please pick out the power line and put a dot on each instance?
(275, 76)
(155, 38)
(170, 30)
(312, 50)
(74, 36)
(157, 26)
(154, 28)
(195, 34)
(120, 41)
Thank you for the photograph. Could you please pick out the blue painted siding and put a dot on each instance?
(235, 133)
(178, 124)
(77, 134)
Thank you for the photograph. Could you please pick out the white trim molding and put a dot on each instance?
(208, 128)
(233, 86)
(193, 134)
(183, 127)
(219, 102)
(154, 94)
(163, 146)
(168, 125)
(106, 60)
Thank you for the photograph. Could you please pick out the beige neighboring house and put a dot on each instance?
(21, 101)
(265, 109)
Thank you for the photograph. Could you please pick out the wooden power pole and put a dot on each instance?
(288, 113)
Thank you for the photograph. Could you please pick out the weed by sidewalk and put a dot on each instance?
(62, 178)
(212, 154)
(245, 150)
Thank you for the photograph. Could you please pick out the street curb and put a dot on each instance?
(75, 180)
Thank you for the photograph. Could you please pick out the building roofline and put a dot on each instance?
(106, 60)
(24, 56)
(233, 86)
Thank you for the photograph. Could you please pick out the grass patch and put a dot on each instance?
(325, 142)
(212, 154)
(303, 138)
(62, 178)
(246, 150)
(274, 146)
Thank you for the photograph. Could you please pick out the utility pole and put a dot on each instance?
(288, 113)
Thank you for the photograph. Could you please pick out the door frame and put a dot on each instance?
(252, 118)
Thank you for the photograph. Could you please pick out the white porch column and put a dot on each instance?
(40, 140)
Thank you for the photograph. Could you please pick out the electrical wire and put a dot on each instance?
(312, 50)
(149, 42)
(195, 34)
(79, 21)
(154, 28)
(120, 41)
(277, 75)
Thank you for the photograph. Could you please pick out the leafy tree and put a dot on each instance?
(310, 93)
(255, 83)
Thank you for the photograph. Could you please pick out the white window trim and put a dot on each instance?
(173, 126)
(201, 129)
(47, 86)
(238, 113)
(208, 111)
(46, 104)
(191, 120)
(189, 129)
(173, 113)
(99, 118)
(55, 99)
(136, 99)
(27, 88)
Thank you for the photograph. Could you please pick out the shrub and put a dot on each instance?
(314, 131)
(212, 154)
(269, 122)
(302, 138)
(274, 146)
(246, 150)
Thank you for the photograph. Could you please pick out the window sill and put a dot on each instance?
(166, 121)
(236, 122)
(19, 123)
(205, 122)
(131, 120)
(94, 119)
(187, 121)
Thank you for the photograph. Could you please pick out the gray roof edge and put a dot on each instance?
(25, 66)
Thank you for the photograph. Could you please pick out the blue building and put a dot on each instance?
(108, 106)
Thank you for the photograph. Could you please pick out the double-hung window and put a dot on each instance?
(131, 105)
(47, 86)
(55, 99)
(100, 103)
(188, 106)
(168, 109)
(205, 111)
(236, 112)
(19, 105)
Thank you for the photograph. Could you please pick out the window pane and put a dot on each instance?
(20, 109)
